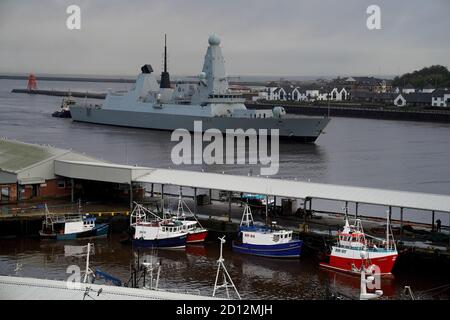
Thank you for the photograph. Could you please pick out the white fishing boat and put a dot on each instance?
(150, 230)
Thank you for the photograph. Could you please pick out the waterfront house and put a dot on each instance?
(299, 94)
(371, 84)
(386, 98)
(339, 94)
(399, 100)
(440, 98)
(418, 99)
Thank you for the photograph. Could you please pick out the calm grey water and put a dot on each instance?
(398, 155)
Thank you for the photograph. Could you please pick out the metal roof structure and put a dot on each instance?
(110, 172)
(16, 156)
(21, 288)
(100, 171)
(298, 189)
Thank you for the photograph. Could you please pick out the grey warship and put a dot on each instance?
(162, 107)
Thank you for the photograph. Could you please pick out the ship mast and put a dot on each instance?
(165, 77)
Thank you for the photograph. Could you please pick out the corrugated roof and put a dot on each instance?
(298, 190)
(15, 156)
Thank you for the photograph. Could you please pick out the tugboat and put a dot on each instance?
(71, 226)
(265, 241)
(157, 232)
(346, 255)
(196, 232)
(64, 111)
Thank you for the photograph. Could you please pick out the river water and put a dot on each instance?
(401, 155)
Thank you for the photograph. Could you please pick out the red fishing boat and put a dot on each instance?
(346, 254)
(196, 232)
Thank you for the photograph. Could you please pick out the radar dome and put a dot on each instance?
(214, 40)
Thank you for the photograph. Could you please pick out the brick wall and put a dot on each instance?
(50, 189)
(12, 191)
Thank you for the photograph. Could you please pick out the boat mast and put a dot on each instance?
(165, 77)
(387, 230)
(226, 275)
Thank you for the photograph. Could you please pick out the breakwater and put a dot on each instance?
(62, 93)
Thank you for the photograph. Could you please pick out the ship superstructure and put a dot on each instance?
(207, 99)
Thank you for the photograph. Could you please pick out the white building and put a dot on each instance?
(339, 94)
(312, 94)
(440, 98)
(299, 95)
(400, 101)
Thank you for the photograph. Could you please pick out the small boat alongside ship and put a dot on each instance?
(265, 241)
(64, 111)
(346, 255)
(71, 226)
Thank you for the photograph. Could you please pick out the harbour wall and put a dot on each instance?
(361, 112)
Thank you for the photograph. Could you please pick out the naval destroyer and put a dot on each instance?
(208, 99)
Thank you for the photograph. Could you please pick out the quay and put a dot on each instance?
(31, 172)
(360, 112)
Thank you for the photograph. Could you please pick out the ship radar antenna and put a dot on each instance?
(226, 275)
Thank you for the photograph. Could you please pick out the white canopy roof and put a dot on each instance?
(298, 189)
(110, 172)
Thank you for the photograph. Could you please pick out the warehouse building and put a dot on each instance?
(27, 171)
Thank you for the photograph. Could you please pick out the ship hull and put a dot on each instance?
(196, 237)
(99, 231)
(285, 250)
(177, 242)
(350, 263)
(305, 129)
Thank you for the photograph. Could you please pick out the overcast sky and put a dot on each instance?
(259, 37)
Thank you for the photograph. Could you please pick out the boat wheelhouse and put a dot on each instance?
(352, 241)
(196, 232)
(157, 232)
(265, 241)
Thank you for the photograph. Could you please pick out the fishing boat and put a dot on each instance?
(265, 241)
(71, 226)
(196, 232)
(155, 232)
(352, 241)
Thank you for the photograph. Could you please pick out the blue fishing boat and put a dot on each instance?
(265, 241)
(71, 226)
